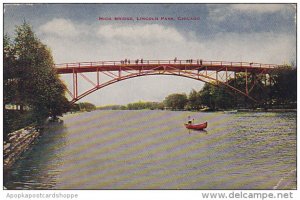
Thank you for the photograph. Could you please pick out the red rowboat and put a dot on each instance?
(196, 126)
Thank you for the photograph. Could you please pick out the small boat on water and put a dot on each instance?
(196, 126)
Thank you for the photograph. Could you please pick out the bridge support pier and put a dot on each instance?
(246, 82)
(75, 84)
(119, 74)
(98, 78)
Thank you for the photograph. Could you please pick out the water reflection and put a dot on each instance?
(197, 131)
(38, 167)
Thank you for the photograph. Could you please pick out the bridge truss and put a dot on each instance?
(213, 72)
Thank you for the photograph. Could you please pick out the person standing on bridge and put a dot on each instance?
(142, 60)
(175, 59)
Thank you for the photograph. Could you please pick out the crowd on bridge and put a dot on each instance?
(199, 61)
(137, 61)
(141, 61)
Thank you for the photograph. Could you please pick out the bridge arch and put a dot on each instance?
(190, 75)
(212, 72)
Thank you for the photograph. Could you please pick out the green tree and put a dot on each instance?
(36, 82)
(222, 99)
(216, 97)
(194, 101)
(145, 105)
(284, 85)
(176, 101)
(206, 96)
(86, 106)
(257, 89)
(10, 79)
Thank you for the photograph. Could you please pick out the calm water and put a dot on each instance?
(153, 150)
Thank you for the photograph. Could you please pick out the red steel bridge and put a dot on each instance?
(213, 72)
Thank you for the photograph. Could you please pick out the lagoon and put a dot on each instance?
(149, 149)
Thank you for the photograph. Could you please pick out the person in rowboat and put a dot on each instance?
(189, 120)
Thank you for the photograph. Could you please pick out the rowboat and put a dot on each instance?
(196, 126)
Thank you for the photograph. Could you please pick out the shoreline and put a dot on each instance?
(268, 110)
(18, 142)
(236, 110)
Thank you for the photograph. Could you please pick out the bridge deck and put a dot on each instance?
(131, 65)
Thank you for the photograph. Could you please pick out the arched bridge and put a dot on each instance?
(212, 72)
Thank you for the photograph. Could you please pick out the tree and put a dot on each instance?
(206, 96)
(86, 106)
(256, 87)
(222, 99)
(194, 101)
(216, 97)
(176, 101)
(36, 82)
(284, 85)
(145, 105)
(9, 76)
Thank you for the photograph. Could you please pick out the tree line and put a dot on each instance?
(135, 106)
(32, 90)
(277, 90)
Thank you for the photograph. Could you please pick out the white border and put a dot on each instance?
(138, 194)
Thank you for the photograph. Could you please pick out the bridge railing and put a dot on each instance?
(167, 62)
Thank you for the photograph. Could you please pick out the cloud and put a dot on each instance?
(112, 42)
(221, 13)
(218, 13)
(258, 8)
(59, 27)
(264, 47)
(139, 33)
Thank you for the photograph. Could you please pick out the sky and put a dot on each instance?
(263, 33)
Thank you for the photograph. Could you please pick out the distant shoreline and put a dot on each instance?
(269, 110)
(229, 111)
